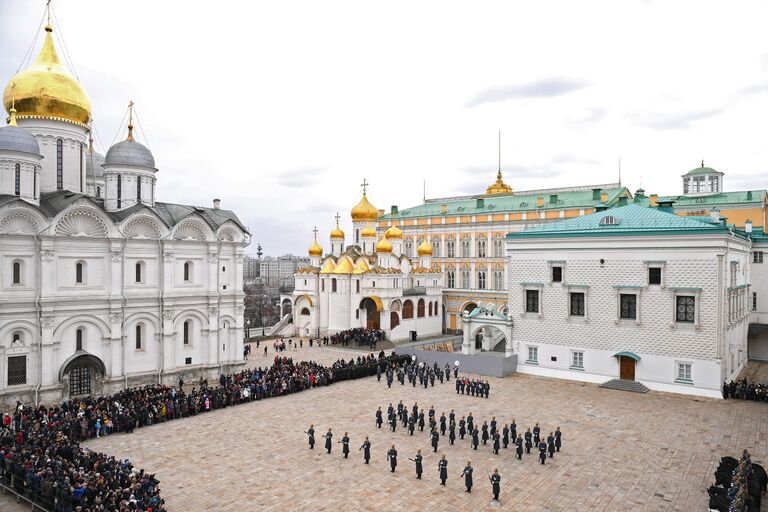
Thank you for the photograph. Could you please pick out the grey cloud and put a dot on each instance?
(672, 121)
(547, 88)
(303, 177)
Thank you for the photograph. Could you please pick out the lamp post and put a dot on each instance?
(248, 329)
(263, 300)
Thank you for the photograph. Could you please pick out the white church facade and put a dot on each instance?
(102, 286)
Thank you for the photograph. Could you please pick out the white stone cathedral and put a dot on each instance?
(103, 287)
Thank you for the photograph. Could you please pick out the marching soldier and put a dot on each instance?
(405, 416)
(443, 468)
(496, 484)
(467, 474)
(311, 434)
(411, 424)
(542, 451)
(442, 424)
(328, 437)
(366, 447)
(392, 457)
(435, 438)
(379, 419)
(419, 468)
(475, 438)
(487, 389)
(496, 443)
(551, 444)
(528, 439)
(393, 422)
(462, 427)
(421, 421)
(493, 426)
(452, 432)
(558, 439)
(505, 435)
(345, 445)
(519, 449)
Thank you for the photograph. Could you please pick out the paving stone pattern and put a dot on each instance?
(621, 451)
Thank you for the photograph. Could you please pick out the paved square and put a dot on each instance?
(621, 451)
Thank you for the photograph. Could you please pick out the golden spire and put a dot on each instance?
(130, 121)
(90, 137)
(337, 233)
(12, 120)
(499, 187)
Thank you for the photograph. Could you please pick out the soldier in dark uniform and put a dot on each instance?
(558, 439)
(475, 438)
(460, 385)
(462, 427)
(505, 435)
(470, 423)
(421, 421)
(366, 447)
(415, 409)
(345, 445)
(379, 419)
(485, 432)
(328, 437)
(447, 372)
(496, 437)
(519, 445)
(471, 385)
(443, 467)
(393, 422)
(405, 416)
(442, 424)
(528, 441)
(432, 412)
(496, 484)
(378, 373)
(452, 432)
(435, 436)
(311, 434)
(411, 424)
(493, 425)
(419, 468)
(390, 378)
(432, 379)
(451, 416)
(392, 457)
(551, 444)
(513, 430)
(467, 474)
(390, 410)
(542, 451)
(400, 410)
(455, 372)
(487, 389)
(536, 434)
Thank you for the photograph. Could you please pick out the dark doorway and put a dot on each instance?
(80, 381)
(372, 316)
(626, 368)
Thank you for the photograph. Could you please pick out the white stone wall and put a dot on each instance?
(74, 146)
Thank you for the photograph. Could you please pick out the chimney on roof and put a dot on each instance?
(749, 195)
(553, 198)
(596, 194)
(654, 199)
(604, 197)
(665, 206)
(217, 204)
(714, 215)
(393, 209)
(480, 203)
(623, 201)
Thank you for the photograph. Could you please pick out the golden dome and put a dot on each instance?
(364, 210)
(368, 231)
(337, 233)
(498, 187)
(315, 249)
(425, 248)
(394, 232)
(384, 245)
(46, 91)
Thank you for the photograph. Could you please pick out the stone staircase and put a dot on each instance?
(625, 385)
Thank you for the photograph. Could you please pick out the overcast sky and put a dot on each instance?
(282, 108)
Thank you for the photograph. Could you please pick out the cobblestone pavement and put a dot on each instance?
(621, 451)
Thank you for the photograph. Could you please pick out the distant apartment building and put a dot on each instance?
(251, 267)
(278, 272)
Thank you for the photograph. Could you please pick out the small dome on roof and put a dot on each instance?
(93, 164)
(703, 170)
(130, 152)
(13, 138)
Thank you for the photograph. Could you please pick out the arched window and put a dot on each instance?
(138, 189)
(394, 320)
(59, 164)
(187, 271)
(16, 338)
(138, 337)
(186, 332)
(18, 180)
(305, 311)
(98, 191)
(430, 308)
(333, 285)
(139, 272)
(407, 310)
(79, 272)
(16, 272)
(79, 339)
(119, 190)
(420, 309)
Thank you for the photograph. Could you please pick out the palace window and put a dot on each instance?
(79, 339)
(654, 275)
(557, 274)
(407, 310)
(139, 272)
(465, 279)
(686, 309)
(138, 337)
(531, 301)
(481, 280)
(409, 249)
(17, 189)
(754, 301)
(757, 257)
(16, 272)
(498, 280)
(119, 190)
(533, 355)
(80, 272)
(138, 189)
(628, 306)
(436, 248)
(187, 271)
(734, 272)
(450, 248)
(333, 285)
(498, 248)
(59, 164)
(451, 279)
(186, 332)
(465, 249)
(684, 371)
(420, 308)
(577, 359)
(17, 370)
(481, 244)
(577, 303)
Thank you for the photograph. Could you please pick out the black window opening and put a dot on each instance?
(16, 272)
(686, 309)
(79, 273)
(119, 190)
(531, 301)
(577, 304)
(628, 306)
(654, 275)
(138, 190)
(80, 381)
(17, 188)
(188, 360)
(557, 274)
(59, 164)
(138, 337)
(138, 272)
(17, 370)
(79, 339)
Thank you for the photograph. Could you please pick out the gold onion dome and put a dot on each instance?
(394, 232)
(384, 245)
(368, 231)
(46, 91)
(315, 249)
(498, 187)
(425, 248)
(337, 233)
(364, 210)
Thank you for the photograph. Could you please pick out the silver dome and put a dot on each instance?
(13, 138)
(93, 162)
(130, 152)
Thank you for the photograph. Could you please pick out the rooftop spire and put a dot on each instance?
(48, 27)
(12, 112)
(364, 185)
(130, 121)
(90, 137)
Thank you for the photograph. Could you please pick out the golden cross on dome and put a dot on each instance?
(315, 232)
(48, 11)
(337, 218)
(365, 185)
(130, 120)
(12, 112)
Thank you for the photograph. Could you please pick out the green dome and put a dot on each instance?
(702, 170)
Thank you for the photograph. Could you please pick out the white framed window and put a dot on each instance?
(684, 372)
(654, 275)
(139, 337)
(436, 248)
(685, 309)
(17, 270)
(498, 248)
(533, 354)
(451, 279)
(498, 279)
(532, 304)
(187, 335)
(481, 275)
(140, 272)
(734, 273)
(188, 272)
(466, 249)
(481, 246)
(80, 275)
(450, 249)
(628, 306)
(577, 359)
(757, 257)
(465, 284)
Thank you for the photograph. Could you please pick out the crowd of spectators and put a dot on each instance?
(358, 335)
(744, 390)
(40, 455)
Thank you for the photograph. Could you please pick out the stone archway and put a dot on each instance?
(372, 313)
(82, 375)
(484, 331)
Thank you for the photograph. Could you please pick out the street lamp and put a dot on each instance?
(248, 329)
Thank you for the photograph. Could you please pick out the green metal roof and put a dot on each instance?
(510, 203)
(723, 198)
(622, 220)
(702, 170)
(631, 355)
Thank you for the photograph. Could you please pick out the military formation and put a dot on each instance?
(426, 376)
